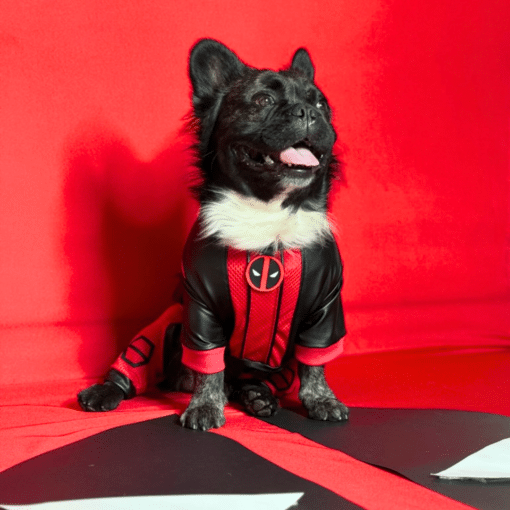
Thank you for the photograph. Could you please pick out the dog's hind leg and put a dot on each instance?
(140, 365)
(317, 397)
(107, 396)
(256, 398)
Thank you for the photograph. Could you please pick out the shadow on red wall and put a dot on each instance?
(125, 229)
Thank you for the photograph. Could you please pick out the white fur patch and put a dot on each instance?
(247, 223)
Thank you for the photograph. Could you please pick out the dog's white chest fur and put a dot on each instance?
(247, 223)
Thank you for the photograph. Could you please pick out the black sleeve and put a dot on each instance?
(208, 316)
(322, 318)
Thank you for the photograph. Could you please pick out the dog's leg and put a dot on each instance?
(256, 398)
(107, 396)
(317, 397)
(205, 410)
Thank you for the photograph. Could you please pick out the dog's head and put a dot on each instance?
(261, 133)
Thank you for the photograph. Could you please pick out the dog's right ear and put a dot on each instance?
(212, 68)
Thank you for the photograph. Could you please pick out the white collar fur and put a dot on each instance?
(247, 223)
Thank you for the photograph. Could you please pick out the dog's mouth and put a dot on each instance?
(299, 160)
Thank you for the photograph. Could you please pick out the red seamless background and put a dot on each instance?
(94, 170)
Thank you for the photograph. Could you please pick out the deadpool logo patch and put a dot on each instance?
(264, 273)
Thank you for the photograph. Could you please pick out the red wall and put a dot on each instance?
(93, 172)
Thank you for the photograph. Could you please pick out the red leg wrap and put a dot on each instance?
(142, 360)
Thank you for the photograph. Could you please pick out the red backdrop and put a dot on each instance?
(93, 170)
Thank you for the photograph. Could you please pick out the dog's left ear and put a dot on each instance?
(303, 63)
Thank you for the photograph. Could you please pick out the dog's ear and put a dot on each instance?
(303, 63)
(212, 68)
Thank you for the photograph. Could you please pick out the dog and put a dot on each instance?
(261, 307)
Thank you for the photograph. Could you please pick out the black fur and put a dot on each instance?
(101, 397)
(243, 118)
(237, 107)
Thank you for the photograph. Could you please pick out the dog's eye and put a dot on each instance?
(321, 104)
(263, 100)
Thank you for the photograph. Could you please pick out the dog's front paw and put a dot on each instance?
(101, 397)
(258, 400)
(203, 417)
(326, 409)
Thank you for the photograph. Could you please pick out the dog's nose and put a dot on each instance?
(298, 111)
(304, 112)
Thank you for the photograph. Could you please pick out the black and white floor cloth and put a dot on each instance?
(160, 459)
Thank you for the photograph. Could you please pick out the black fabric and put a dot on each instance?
(208, 320)
(156, 457)
(172, 354)
(413, 444)
(320, 317)
(123, 382)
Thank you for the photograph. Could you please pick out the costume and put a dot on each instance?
(254, 312)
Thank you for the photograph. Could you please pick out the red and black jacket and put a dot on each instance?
(260, 309)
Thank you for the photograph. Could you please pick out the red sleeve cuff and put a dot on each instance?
(205, 362)
(315, 356)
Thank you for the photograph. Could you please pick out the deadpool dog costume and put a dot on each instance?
(273, 307)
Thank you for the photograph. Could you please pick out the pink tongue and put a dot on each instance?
(298, 157)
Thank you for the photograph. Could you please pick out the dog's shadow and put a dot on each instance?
(126, 223)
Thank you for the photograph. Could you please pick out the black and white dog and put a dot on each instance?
(262, 273)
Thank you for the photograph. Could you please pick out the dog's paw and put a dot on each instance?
(258, 400)
(203, 417)
(326, 409)
(101, 397)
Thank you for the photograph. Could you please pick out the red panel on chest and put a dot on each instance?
(264, 291)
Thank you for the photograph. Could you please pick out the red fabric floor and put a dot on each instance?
(40, 417)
